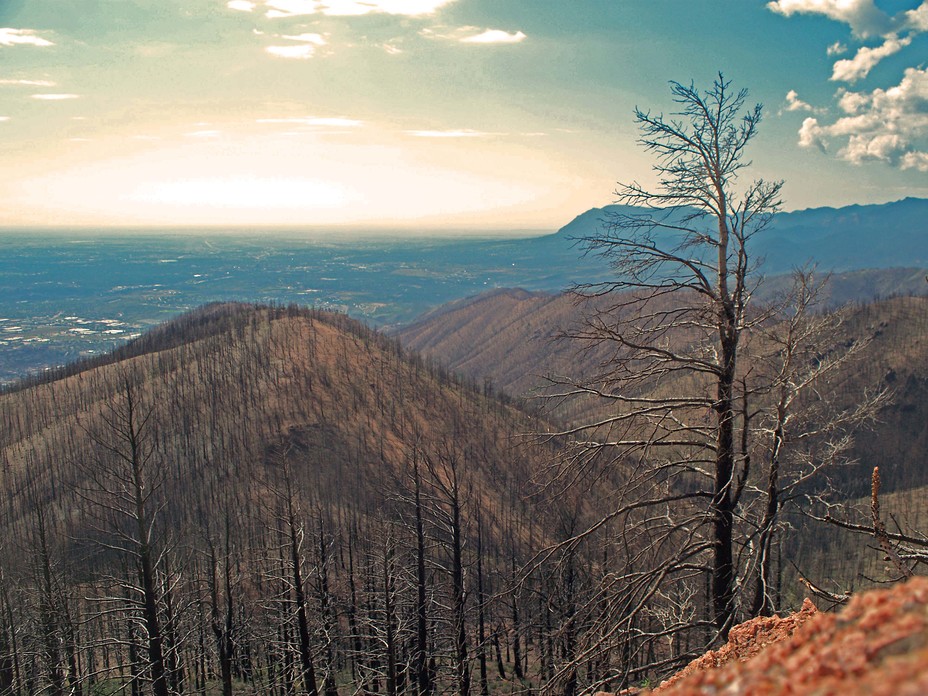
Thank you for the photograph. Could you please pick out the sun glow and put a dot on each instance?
(245, 192)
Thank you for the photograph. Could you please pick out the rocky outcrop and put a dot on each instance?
(876, 645)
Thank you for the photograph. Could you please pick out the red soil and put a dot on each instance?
(878, 644)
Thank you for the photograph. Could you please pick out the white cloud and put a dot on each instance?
(917, 19)
(442, 32)
(794, 103)
(392, 49)
(811, 134)
(25, 37)
(305, 49)
(864, 18)
(300, 52)
(836, 49)
(3, 119)
(315, 121)
(315, 39)
(495, 36)
(879, 147)
(204, 134)
(853, 69)
(887, 125)
(915, 160)
(472, 35)
(55, 97)
(28, 83)
(295, 8)
(241, 5)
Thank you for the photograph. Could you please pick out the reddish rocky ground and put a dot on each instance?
(877, 644)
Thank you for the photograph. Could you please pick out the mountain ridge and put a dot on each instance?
(847, 238)
(514, 342)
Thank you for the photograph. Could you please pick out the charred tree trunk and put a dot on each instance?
(420, 659)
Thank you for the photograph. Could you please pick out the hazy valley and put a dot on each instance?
(66, 295)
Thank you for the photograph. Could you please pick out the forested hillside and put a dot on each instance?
(514, 339)
(280, 501)
(276, 501)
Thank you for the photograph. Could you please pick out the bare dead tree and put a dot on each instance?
(448, 496)
(715, 410)
(793, 423)
(682, 292)
(125, 484)
(904, 549)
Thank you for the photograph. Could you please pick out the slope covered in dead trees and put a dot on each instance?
(275, 500)
(251, 386)
(513, 339)
(281, 501)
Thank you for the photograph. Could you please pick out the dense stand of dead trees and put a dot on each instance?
(719, 412)
(287, 505)
(291, 506)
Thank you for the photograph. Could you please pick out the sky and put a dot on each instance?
(428, 114)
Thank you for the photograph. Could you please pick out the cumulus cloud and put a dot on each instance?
(794, 103)
(812, 134)
(915, 160)
(23, 37)
(55, 97)
(864, 18)
(495, 36)
(4, 119)
(241, 5)
(295, 8)
(887, 125)
(917, 19)
(853, 69)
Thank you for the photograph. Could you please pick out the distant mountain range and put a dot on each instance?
(840, 239)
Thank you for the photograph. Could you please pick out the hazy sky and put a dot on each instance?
(467, 113)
